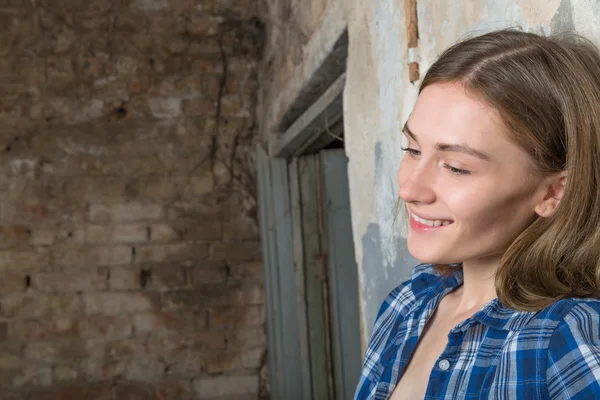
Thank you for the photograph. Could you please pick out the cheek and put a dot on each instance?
(485, 205)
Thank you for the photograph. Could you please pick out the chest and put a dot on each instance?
(429, 348)
(477, 363)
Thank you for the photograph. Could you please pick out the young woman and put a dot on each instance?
(501, 182)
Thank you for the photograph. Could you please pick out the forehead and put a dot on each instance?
(445, 113)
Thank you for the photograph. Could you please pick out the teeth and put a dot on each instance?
(430, 222)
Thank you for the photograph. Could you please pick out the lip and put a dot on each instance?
(420, 227)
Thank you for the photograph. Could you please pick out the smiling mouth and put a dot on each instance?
(430, 222)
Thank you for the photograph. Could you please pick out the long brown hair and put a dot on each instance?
(547, 91)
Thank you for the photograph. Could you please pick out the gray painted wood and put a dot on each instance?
(343, 274)
(301, 295)
(269, 247)
(313, 123)
(315, 264)
(291, 372)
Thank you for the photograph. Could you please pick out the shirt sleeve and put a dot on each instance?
(573, 363)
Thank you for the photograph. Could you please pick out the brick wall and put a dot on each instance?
(129, 249)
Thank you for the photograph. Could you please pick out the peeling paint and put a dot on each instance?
(562, 21)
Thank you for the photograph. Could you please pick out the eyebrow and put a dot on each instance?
(460, 148)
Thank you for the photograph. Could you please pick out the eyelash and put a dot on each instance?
(453, 170)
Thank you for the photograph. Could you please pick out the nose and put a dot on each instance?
(416, 183)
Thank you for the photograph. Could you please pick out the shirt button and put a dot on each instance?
(444, 365)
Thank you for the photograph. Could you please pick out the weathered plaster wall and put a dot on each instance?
(378, 99)
(299, 36)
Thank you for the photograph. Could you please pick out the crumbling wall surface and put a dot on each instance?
(129, 251)
(299, 35)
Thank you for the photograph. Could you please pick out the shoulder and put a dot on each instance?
(395, 309)
(573, 358)
(401, 299)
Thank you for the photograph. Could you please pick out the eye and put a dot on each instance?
(412, 152)
(456, 171)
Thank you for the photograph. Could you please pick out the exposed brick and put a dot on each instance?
(113, 303)
(14, 235)
(247, 272)
(165, 108)
(206, 272)
(125, 212)
(64, 374)
(105, 327)
(236, 251)
(130, 233)
(167, 321)
(234, 317)
(90, 391)
(35, 305)
(171, 252)
(226, 385)
(168, 390)
(251, 337)
(244, 228)
(162, 233)
(32, 375)
(234, 359)
(34, 259)
(93, 256)
(71, 280)
(65, 350)
(43, 328)
(116, 193)
(191, 229)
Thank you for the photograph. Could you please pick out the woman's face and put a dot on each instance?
(469, 190)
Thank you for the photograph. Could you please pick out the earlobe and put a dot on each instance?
(554, 191)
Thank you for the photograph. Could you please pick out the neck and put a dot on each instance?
(478, 286)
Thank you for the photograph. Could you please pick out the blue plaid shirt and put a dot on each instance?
(498, 353)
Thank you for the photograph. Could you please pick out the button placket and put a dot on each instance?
(444, 365)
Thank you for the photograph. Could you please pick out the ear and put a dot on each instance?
(553, 191)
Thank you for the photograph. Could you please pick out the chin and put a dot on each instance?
(428, 255)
